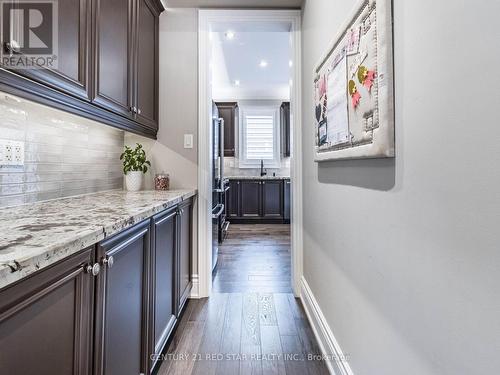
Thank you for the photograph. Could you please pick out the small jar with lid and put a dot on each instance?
(162, 181)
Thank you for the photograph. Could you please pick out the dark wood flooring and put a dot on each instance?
(255, 258)
(252, 324)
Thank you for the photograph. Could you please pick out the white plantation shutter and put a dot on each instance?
(259, 137)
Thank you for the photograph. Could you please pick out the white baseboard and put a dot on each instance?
(195, 288)
(336, 361)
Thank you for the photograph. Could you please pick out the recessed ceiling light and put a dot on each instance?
(236, 82)
(229, 35)
(290, 63)
(263, 63)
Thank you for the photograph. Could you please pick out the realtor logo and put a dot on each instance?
(29, 34)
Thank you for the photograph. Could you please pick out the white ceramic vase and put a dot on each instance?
(133, 180)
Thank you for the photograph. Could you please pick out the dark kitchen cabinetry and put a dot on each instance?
(251, 198)
(114, 37)
(146, 62)
(184, 254)
(272, 199)
(287, 201)
(46, 320)
(257, 201)
(230, 113)
(163, 260)
(285, 129)
(121, 333)
(233, 208)
(70, 74)
(107, 64)
(104, 310)
(128, 86)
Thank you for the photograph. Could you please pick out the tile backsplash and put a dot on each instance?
(64, 154)
(231, 169)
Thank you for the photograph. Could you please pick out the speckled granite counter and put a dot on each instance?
(258, 177)
(36, 235)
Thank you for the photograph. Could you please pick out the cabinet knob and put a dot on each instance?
(12, 46)
(133, 109)
(93, 269)
(139, 111)
(108, 261)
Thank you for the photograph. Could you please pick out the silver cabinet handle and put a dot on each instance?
(93, 269)
(108, 261)
(138, 110)
(133, 109)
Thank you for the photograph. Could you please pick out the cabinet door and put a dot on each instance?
(113, 76)
(233, 199)
(162, 276)
(71, 73)
(251, 199)
(45, 320)
(122, 303)
(146, 59)
(229, 112)
(272, 199)
(184, 254)
(287, 200)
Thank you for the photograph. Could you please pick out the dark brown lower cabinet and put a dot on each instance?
(272, 199)
(184, 254)
(46, 320)
(104, 310)
(163, 260)
(258, 201)
(121, 325)
(251, 198)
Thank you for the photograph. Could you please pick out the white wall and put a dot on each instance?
(403, 255)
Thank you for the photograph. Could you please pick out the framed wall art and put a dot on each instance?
(353, 88)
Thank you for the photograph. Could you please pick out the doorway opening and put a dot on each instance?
(249, 161)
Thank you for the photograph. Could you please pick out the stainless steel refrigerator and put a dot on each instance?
(218, 183)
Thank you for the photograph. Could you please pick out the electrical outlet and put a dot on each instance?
(11, 153)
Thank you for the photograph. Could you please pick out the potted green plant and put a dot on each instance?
(135, 165)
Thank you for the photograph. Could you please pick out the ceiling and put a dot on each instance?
(239, 60)
(233, 3)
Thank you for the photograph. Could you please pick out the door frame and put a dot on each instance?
(206, 18)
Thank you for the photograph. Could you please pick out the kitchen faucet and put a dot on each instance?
(262, 171)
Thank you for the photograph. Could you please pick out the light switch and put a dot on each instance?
(188, 141)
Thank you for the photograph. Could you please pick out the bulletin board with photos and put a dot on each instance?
(353, 88)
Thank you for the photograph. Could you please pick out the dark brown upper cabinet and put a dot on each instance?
(107, 64)
(285, 129)
(146, 62)
(114, 51)
(46, 320)
(229, 111)
(71, 74)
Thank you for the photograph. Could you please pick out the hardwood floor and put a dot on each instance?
(252, 324)
(255, 258)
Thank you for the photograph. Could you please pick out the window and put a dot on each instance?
(259, 138)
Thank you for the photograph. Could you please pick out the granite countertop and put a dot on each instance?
(267, 177)
(36, 235)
